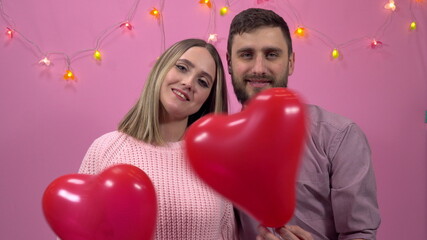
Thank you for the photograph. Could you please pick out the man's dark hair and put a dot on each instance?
(254, 18)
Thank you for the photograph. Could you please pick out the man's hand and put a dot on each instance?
(286, 233)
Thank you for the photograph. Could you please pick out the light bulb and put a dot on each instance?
(376, 44)
(155, 13)
(335, 53)
(213, 37)
(97, 55)
(45, 61)
(413, 26)
(206, 2)
(126, 25)
(9, 32)
(223, 11)
(390, 5)
(300, 32)
(69, 75)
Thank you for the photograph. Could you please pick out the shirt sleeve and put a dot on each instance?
(353, 186)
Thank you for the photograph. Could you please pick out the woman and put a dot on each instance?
(186, 83)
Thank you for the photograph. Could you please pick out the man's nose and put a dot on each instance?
(259, 66)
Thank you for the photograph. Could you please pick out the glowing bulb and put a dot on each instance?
(213, 37)
(390, 5)
(155, 13)
(69, 75)
(223, 11)
(375, 44)
(126, 25)
(97, 55)
(300, 32)
(413, 26)
(9, 32)
(206, 2)
(45, 61)
(335, 53)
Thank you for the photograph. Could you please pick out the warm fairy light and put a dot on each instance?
(206, 2)
(335, 53)
(126, 25)
(300, 32)
(69, 75)
(155, 13)
(390, 5)
(97, 55)
(45, 61)
(213, 37)
(413, 26)
(376, 44)
(223, 11)
(9, 32)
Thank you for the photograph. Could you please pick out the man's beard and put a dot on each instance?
(240, 87)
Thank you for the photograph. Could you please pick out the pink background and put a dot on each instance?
(47, 123)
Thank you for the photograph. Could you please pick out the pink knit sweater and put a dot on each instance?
(188, 209)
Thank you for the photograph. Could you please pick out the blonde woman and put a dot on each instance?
(186, 83)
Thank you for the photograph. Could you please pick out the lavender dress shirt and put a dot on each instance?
(336, 189)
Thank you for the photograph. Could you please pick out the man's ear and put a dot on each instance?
(291, 65)
(229, 63)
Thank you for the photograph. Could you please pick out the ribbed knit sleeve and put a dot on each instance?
(188, 209)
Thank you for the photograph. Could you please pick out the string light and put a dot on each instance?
(376, 44)
(390, 5)
(69, 75)
(9, 32)
(335, 53)
(97, 55)
(413, 25)
(126, 25)
(155, 13)
(206, 2)
(213, 37)
(300, 32)
(45, 61)
(223, 11)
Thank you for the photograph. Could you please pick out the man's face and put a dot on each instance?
(259, 60)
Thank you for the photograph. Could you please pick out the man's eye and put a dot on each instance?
(272, 55)
(245, 55)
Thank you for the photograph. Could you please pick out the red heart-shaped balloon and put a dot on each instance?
(252, 157)
(117, 204)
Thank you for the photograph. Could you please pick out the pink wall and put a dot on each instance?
(47, 124)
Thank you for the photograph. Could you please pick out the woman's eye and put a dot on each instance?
(181, 68)
(203, 83)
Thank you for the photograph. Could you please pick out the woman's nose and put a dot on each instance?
(187, 83)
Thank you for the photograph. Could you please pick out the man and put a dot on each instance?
(336, 189)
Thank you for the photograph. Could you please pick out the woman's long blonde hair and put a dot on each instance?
(142, 121)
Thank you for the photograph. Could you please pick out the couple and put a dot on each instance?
(336, 195)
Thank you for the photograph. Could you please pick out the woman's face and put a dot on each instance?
(188, 84)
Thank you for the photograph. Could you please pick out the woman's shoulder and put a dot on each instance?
(110, 139)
